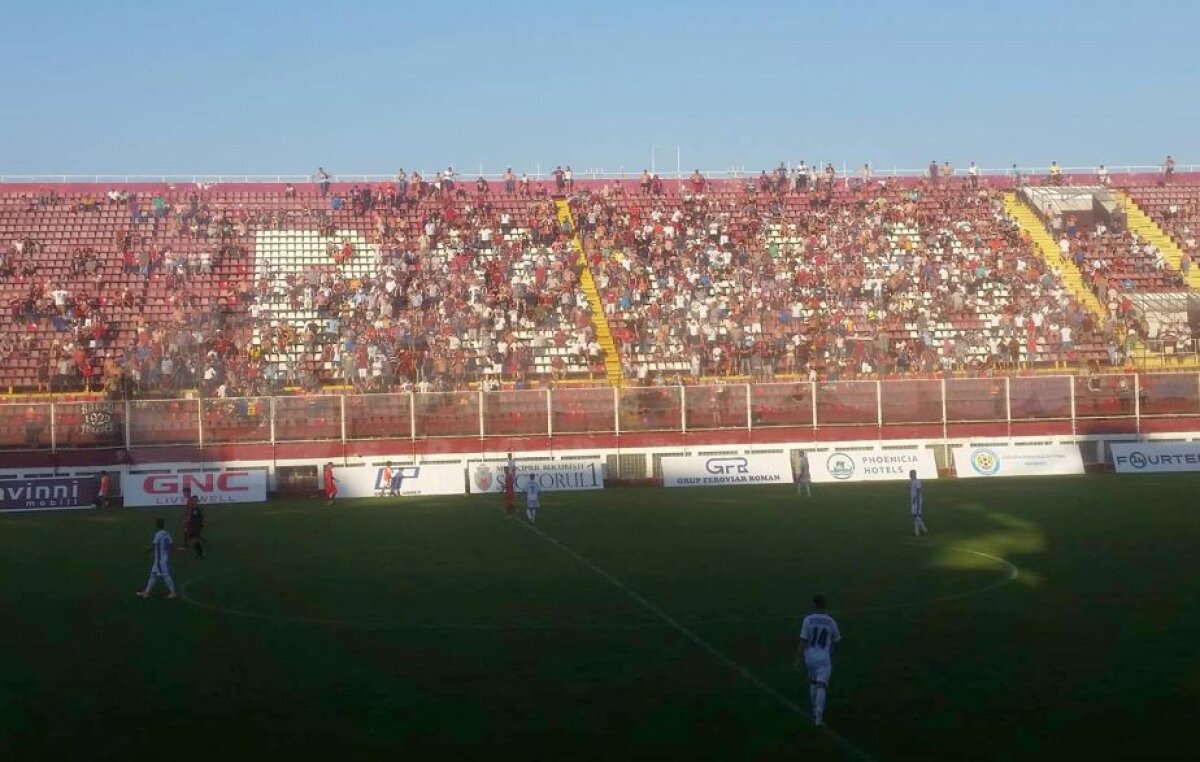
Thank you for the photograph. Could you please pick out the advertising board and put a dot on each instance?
(552, 476)
(871, 465)
(407, 480)
(211, 487)
(47, 494)
(726, 470)
(1028, 460)
(1155, 457)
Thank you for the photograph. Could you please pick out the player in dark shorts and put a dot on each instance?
(510, 488)
(194, 513)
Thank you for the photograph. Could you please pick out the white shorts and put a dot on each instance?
(532, 505)
(819, 666)
(160, 569)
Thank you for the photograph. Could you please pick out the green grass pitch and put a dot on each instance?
(1051, 617)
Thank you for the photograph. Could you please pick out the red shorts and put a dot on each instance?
(508, 498)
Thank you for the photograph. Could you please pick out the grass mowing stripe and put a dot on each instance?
(846, 745)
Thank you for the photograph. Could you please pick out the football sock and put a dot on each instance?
(819, 701)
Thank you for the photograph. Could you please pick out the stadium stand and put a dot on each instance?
(846, 281)
(247, 289)
(1169, 217)
(251, 288)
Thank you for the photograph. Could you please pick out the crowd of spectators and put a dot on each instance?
(1116, 261)
(455, 287)
(455, 291)
(831, 281)
(1178, 213)
(437, 284)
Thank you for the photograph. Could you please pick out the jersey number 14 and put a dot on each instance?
(819, 638)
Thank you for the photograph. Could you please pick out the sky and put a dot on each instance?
(251, 88)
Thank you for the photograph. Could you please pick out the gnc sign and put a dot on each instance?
(211, 487)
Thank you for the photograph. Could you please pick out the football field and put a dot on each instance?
(1041, 618)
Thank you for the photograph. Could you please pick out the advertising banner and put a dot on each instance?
(406, 481)
(551, 476)
(1155, 457)
(47, 494)
(726, 470)
(871, 465)
(1031, 460)
(224, 487)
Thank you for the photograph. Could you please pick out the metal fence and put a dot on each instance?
(920, 407)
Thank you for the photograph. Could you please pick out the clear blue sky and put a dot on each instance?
(279, 87)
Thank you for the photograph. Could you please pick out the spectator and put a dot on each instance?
(1056, 177)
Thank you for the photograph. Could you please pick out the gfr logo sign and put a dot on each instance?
(727, 466)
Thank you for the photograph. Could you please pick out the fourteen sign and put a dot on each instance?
(1155, 457)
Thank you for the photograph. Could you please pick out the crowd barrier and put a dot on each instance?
(565, 417)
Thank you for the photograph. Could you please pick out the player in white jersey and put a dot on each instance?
(916, 503)
(160, 547)
(803, 476)
(818, 634)
(532, 491)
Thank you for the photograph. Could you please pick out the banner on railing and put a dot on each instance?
(224, 487)
(48, 494)
(554, 476)
(1155, 457)
(406, 481)
(99, 418)
(1031, 460)
(871, 465)
(726, 470)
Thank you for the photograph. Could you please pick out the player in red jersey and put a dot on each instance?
(387, 479)
(510, 488)
(330, 484)
(102, 489)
